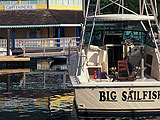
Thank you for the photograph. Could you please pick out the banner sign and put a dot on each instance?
(19, 7)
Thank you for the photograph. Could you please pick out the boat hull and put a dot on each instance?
(121, 99)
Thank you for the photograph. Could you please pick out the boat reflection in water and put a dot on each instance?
(42, 93)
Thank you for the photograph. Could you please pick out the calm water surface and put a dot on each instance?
(42, 93)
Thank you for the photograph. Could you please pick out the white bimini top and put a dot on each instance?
(121, 17)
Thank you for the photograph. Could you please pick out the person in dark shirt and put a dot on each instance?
(104, 75)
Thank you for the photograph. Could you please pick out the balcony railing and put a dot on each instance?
(41, 42)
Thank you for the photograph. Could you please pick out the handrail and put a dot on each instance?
(41, 42)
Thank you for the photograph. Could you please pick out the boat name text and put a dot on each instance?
(129, 96)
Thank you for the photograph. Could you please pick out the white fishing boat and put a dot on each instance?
(119, 68)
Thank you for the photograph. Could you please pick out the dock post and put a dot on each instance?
(13, 39)
(64, 80)
(24, 45)
(59, 81)
(8, 42)
(48, 32)
(59, 35)
(44, 80)
(24, 79)
(47, 4)
(69, 54)
(8, 83)
(77, 30)
(44, 49)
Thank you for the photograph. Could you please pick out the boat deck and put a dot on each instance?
(109, 83)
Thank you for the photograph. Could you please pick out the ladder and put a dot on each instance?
(151, 9)
(83, 32)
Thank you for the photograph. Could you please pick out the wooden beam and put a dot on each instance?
(12, 59)
(8, 42)
(9, 71)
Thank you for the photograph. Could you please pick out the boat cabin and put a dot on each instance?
(123, 45)
(122, 52)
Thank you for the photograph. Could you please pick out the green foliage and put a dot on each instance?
(159, 10)
(110, 9)
(131, 4)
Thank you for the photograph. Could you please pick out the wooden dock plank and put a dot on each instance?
(51, 54)
(9, 71)
(14, 59)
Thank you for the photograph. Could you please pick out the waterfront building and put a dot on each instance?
(39, 19)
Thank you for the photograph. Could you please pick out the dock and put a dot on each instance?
(10, 71)
(61, 54)
(14, 59)
(26, 49)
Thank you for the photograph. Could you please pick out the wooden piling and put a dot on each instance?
(8, 42)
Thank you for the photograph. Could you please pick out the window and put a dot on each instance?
(14, 2)
(9, 2)
(148, 70)
(78, 2)
(53, 2)
(41, 2)
(33, 33)
(33, 2)
(71, 2)
(65, 2)
(149, 59)
(60, 2)
(24, 2)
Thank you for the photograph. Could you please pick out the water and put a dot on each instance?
(44, 93)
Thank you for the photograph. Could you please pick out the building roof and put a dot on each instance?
(39, 17)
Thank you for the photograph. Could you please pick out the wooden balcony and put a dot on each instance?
(40, 45)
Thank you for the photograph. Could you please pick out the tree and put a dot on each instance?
(159, 9)
(113, 9)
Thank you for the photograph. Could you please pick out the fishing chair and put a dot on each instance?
(123, 70)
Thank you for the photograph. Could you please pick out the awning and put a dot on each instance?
(36, 26)
(40, 18)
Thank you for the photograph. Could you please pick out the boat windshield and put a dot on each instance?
(103, 33)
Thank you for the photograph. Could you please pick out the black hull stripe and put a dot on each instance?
(120, 110)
